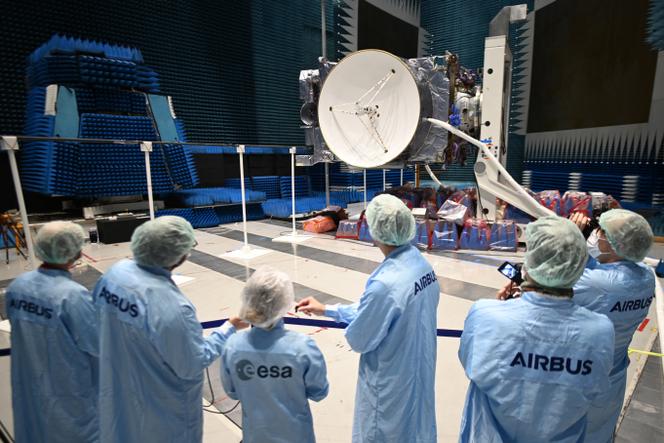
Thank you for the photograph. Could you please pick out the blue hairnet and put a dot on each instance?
(390, 221)
(628, 233)
(556, 252)
(162, 242)
(266, 297)
(59, 242)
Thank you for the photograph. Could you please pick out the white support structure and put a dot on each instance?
(401, 179)
(146, 147)
(10, 144)
(384, 180)
(293, 236)
(246, 252)
(495, 113)
(488, 170)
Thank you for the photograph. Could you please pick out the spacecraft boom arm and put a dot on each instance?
(511, 191)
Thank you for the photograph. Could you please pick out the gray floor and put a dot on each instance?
(458, 288)
(644, 419)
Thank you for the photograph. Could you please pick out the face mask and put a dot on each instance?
(593, 245)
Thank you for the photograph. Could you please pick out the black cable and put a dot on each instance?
(212, 400)
(223, 412)
(5, 436)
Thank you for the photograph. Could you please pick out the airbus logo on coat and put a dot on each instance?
(31, 308)
(425, 281)
(119, 302)
(552, 363)
(246, 370)
(632, 305)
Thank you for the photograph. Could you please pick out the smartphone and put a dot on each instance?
(511, 271)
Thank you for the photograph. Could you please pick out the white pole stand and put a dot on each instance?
(246, 252)
(327, 184)
(293, 236)
(10, 144)
(365, 188)
(146, 147)
(401, 180)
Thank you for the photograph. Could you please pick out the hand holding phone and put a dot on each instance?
(509, 291)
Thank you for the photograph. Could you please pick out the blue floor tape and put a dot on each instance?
(296, 321)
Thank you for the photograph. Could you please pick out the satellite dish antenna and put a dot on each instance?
(372, 108)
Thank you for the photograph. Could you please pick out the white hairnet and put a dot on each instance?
(390, 221)
(162, 242)
(556, 252)
(266, 297)
(628, 233)
(59, 242)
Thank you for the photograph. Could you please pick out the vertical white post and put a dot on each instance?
(365, 188)
(323, 31)
(240, 151)
(384, 180)
(10, 144)
(327, 181)
(292, 151)
(146, 147)
(401, 181)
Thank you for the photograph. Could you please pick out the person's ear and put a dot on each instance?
(182, 260)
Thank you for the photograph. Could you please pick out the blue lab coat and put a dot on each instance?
(623, 291)
(535, 364)
(273, 373)
(54, 358)
(393, 326)
(152, 355)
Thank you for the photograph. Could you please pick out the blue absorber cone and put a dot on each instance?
(421, 239)
(659, 270)
(364, 234)
(445, 236)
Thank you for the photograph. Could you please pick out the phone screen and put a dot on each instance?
(511, 271)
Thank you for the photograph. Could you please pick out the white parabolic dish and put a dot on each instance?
(369, 108)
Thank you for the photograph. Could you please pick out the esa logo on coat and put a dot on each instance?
(246, 370)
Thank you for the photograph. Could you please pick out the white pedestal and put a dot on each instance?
(246, 253)
(292, 238)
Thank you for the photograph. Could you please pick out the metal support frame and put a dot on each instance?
(10, 144)
(146, 147)
(496, 91)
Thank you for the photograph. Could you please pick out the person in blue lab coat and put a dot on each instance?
(54, 344)
(393, 326)
(615, 283)
(535, 363)
(152, 350)
(271, 370)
